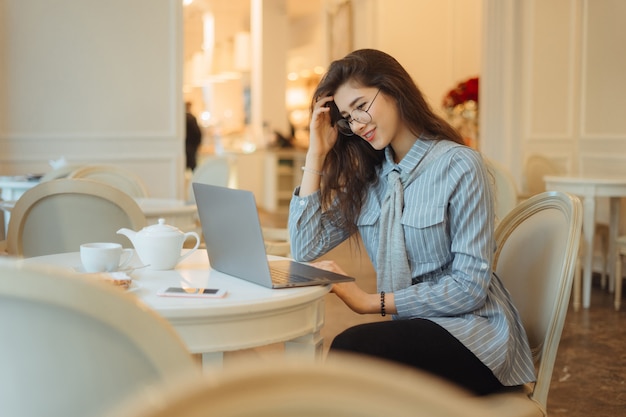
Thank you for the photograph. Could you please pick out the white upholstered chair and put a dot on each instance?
(118, 177)
(276, 241)
(61, 172)
(537, 249)
(348, 387)
(57, 216)
(505, 189)
(214, 170)
(536, 167)
(76, 346)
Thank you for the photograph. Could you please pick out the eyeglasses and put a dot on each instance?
(358, 115)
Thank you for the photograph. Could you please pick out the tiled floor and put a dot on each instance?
(589, 377)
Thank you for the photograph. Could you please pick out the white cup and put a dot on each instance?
(104, 257)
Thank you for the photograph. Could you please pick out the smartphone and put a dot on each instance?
(192, 292)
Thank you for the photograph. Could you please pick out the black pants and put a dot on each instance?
(422, 344)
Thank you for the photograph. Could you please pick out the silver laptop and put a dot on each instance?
(234, 240)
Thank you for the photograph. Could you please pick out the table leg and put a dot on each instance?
(212, 361)
(577, 285)
(308, 346)
(618, 282)
(3, 227)
(613, 232)
(589, 219)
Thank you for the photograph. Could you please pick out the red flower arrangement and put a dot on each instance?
(461, 107)
(464, 91)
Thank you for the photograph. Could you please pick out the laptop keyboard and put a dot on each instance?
(280, 276)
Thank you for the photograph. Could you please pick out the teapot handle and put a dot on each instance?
(192, 250)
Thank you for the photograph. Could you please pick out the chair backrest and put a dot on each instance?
(349, 387)
(57, 216)
(535, 168)
(118, 177)
(537, 248)
(75, 346)
(214, 170)
(61, 172)
(277, 241)
(505, 190)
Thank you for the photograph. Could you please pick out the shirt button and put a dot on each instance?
(483, 266)
(302, 202)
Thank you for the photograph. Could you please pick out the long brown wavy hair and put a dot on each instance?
(352, 164)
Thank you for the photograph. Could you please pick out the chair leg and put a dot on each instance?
(603, 281)
(605, 269)
(577, 284)
(618, 282)
(603, 236)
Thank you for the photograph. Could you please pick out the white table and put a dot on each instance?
(177, 213)
(11, 188)
(249, 316)
(589, 189)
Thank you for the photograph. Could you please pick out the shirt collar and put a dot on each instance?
(411, 159)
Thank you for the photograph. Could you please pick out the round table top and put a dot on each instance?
(194, 272)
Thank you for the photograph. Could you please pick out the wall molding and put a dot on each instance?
(108, 96)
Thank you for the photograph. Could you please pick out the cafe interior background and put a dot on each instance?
(105, 82)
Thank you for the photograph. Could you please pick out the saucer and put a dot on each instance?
(127, 270)
(118, 279)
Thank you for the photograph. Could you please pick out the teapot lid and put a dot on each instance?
(161, 229)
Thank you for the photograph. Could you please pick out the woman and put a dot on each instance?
(381, 163)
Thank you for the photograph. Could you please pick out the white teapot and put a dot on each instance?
(159, 246)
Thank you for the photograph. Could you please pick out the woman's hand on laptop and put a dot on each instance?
(329, 266)
(358, 300)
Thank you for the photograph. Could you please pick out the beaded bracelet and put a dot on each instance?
(313, 171)
(382, 304)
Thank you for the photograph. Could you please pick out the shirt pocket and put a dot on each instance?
(368, 225)
(426, 237)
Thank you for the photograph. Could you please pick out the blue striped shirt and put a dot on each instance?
(448, 221)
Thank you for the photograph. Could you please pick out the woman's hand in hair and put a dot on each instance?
(322, 135)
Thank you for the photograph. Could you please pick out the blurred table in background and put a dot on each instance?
(11, 188)
(590, 188)
(177, 213)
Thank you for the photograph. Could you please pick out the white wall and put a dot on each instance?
(78, 78)
(438, 42)
(555, 85)
(94, 81)
(274, 66)
(85, 81)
